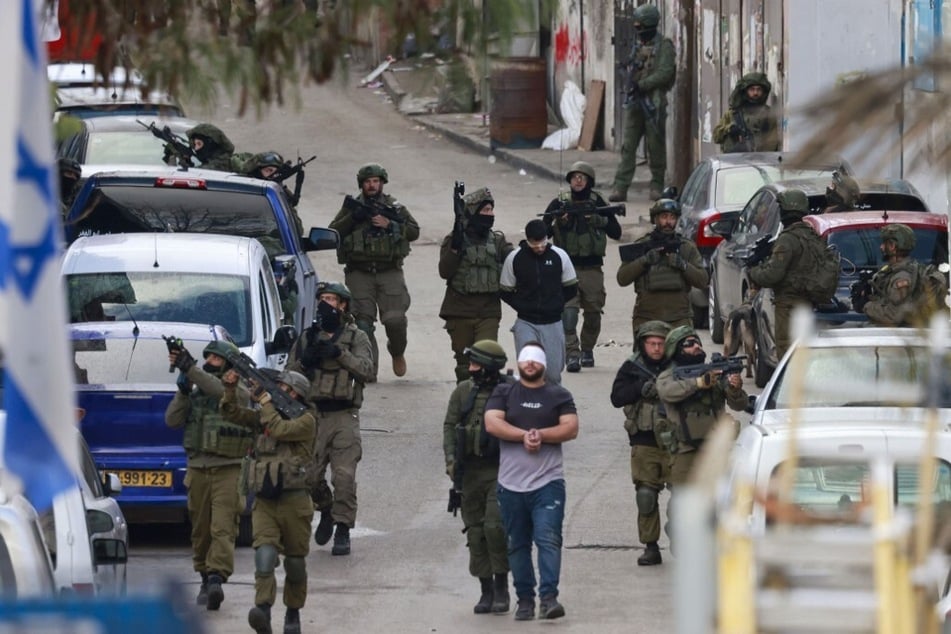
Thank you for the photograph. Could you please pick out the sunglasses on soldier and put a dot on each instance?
(689, 342)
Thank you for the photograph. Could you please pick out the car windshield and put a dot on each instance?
(117, 361)
(860, 376)
(136, 147)
(860, 247)
(736, 185)
(197, 298)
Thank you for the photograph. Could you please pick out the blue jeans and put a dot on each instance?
(534, 516)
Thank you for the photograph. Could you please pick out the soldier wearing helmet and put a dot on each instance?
(374, 239)
(212, 147)
(69, 174)
(748, 125)
(635, 390)
(842, 194)
(279, 475)
(584, 237)
(268, 166)
(665, 272)
(214, 448)
(788, 270)
(336, 357)
(651, 72)
(470, 260)
(692, 405)
(892, 297)
(472, 463)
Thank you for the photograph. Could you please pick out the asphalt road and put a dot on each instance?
(408, 570)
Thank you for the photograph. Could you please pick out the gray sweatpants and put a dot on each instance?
(552, 338)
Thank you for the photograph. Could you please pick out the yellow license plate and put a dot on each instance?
(145, 478)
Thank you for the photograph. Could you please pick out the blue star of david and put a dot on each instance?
(29, 34)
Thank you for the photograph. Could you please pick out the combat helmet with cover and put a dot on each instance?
(335, 288)
(296, 381)
(584, 168)
(371, 170)
(901, 235)
(208, 132)
(653, 328)
(647, 15)
(477, 199)
(793, 205)
(738, 96)
(843, 190)
(675, 337)
(262, 159)
(487, 353)
(220, 348)
(662, 205)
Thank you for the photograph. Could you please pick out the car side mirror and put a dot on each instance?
(109, 552)
(670, 192)
(320, 239)
(284, 338)
(111, 484)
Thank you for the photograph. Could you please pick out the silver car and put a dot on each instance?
(25, 567)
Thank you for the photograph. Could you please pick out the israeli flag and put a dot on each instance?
(40, 455)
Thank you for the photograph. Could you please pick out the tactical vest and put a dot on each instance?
(582, 239)
(698, 415)
(642, 415)
(643, 59)
(661, 277)
(207, 432)
(281, 466)
(883, 277)
(330, 380)
(479, 269)
(478, 441)
(367, 243)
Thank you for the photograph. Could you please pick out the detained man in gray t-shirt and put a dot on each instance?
(531, 419)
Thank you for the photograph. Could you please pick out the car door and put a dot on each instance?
(755, 220)
(270, 306)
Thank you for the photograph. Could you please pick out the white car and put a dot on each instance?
(25, 567)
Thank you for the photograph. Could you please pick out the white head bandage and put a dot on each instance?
(532, 353)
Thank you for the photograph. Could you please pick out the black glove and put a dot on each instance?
(653, 256)
(735, 130)
(859, 296)
(455, 243)
(632, 87)
(184, 385)
(184, 361)
(455, 502)
(649, 389)
(319, 350)
(359, 214)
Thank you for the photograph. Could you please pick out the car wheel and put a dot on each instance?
(245, 532)
(713, 312)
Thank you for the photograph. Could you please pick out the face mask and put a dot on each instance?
(684, 358)
(482, 222)
(66, 186)
(646, 34)
(211, 369)
(329, 317)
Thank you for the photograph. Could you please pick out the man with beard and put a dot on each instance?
(532, 418)
(584, 237)
(214, 448)
(470, 260)
(664, 274)
(472, 463)
(692, 405)
(748, 125)
(372, 247)
(635, 390)
(211, 147)
(336, 358)
(537, 280)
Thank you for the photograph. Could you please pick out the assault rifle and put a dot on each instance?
(718, 363)
(635, 250)
(370, 208)
(459, 456)
(287, 170)
(586, 207)
(174, 344)
(283, 403)
(762, 249)
(174, 145)
(745, 140)
(459, 211)
(861, 289)
(633, 93)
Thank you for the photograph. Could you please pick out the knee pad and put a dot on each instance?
(265, 559)
(295, 569)
(569, 319)
(646, 500)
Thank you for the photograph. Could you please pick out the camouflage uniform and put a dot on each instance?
(373, 265)
(214, 448)
(471, 306)
(653, 67)
(842, 194)
(892, 302)
(279, 475)
(252, 167)
(218, 149)
(758, 120)
(584, 238)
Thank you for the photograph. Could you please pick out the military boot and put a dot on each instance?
(202, 598)
(587, 359)
(325, 528)
(651, 556)
(215, 594)
(259, 618)
(618, 196)
(500, 593)
(573, 365)
(485, 601)
(341, 540)
(292, 621)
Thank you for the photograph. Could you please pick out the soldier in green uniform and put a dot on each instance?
(692, 405)
(662, 277)
(748, 125)
(842, 194)
(267, 166)
(372, 248)
(651, 73)
(279, 473)
(337, 359)
(69, 174)
(584, 237)
(786, 271)
(635, 389)
(214, 448)
(470, 260)
(212, 147)
(893, 300)
(472, 461)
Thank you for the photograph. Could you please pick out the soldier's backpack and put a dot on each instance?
(819, 270)
(931, 290)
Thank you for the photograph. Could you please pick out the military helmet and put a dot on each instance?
(336, 288)
(647, 15)
(208, 131)
(487, 353)
(584, 168)
(674, 337)
(902, 235)
(70, 166)
(844, 190)
(369, 170)
(662, 205)
(220, 348)
(477, 199)
(264, 159)
(296, 381)
(793, 201)
(653, 328)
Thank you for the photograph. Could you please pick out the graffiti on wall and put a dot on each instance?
(568, 45)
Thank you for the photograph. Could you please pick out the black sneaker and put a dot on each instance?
(587, 359)
(573, 365)
(549, 608)
(259, 618)
(215, 594)
(325, 528)
(526, 609)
